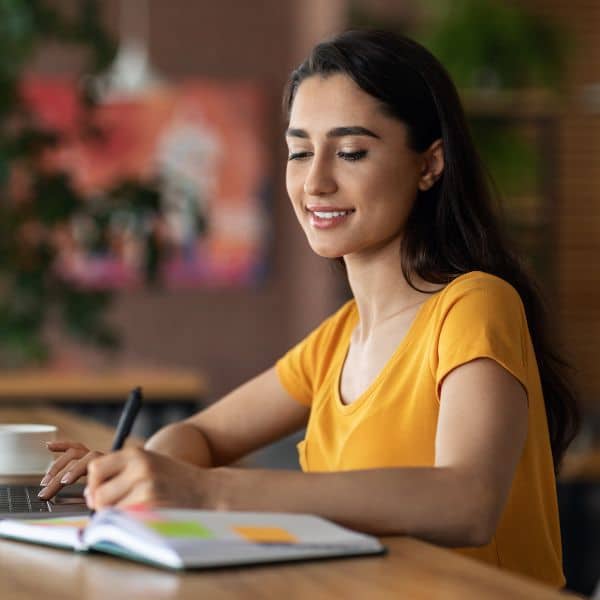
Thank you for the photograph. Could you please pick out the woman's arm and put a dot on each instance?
(480, 436)
(481, 432)
(253, 415)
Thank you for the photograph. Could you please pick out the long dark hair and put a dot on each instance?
(453, 228)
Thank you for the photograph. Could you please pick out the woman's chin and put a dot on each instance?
(324, 252)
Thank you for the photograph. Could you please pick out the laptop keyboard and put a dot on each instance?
(19, 499)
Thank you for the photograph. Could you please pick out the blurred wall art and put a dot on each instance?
(200, 143)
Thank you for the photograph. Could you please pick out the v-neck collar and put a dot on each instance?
(399, 351)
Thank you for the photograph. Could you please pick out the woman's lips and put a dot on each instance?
(328, 218)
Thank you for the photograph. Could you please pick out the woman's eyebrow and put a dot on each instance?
(335, 132)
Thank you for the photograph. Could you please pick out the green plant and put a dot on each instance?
(493, 44)
(489, 46)
(37, 204)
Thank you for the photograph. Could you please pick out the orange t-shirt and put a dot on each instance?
(393, 423)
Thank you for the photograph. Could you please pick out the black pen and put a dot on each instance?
(126, 420)
(130, 411)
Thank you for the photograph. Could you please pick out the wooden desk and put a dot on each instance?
(160, 385)
(169, 394)
(412, 569)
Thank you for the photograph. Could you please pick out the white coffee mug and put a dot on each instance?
(23, 448)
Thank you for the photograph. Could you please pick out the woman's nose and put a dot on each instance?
(319, 179)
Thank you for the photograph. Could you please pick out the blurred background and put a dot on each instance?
(145, 232)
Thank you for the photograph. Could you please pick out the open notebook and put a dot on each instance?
(181, 538)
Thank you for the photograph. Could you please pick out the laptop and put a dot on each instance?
(20, 501)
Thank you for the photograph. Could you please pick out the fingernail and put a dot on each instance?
(42, 494)
(86, 492)
(45, 480)
(66, 478)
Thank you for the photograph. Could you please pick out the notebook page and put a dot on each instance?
(63, 532)
(191, 538)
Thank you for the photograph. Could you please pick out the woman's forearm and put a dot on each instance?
(182, 441)
(436, 504)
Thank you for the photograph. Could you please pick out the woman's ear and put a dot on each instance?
(433, 165)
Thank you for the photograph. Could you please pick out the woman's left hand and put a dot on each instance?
(136, 476)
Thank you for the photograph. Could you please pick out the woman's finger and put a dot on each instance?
(78, 468)
(127, 468)
(54, 485)
(116, 490)
(106, 467)
(61, 462)
(62, 445)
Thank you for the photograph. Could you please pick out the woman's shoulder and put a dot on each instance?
(479, 282)
(479, 292)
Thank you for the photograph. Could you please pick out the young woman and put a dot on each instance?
(434, 403)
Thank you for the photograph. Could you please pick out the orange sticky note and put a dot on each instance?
(265, 535)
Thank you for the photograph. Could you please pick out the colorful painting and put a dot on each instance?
(202, 142)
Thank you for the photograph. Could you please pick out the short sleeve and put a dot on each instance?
(482, 319)
(303, 368)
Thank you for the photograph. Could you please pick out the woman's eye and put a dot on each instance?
(352, 155)
(298, 155)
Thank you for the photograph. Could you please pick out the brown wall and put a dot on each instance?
(578, 179)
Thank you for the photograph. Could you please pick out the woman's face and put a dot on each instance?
(351, 175)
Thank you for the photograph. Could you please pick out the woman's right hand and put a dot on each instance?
(68, 468)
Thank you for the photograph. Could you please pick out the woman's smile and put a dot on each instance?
(327, 217)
